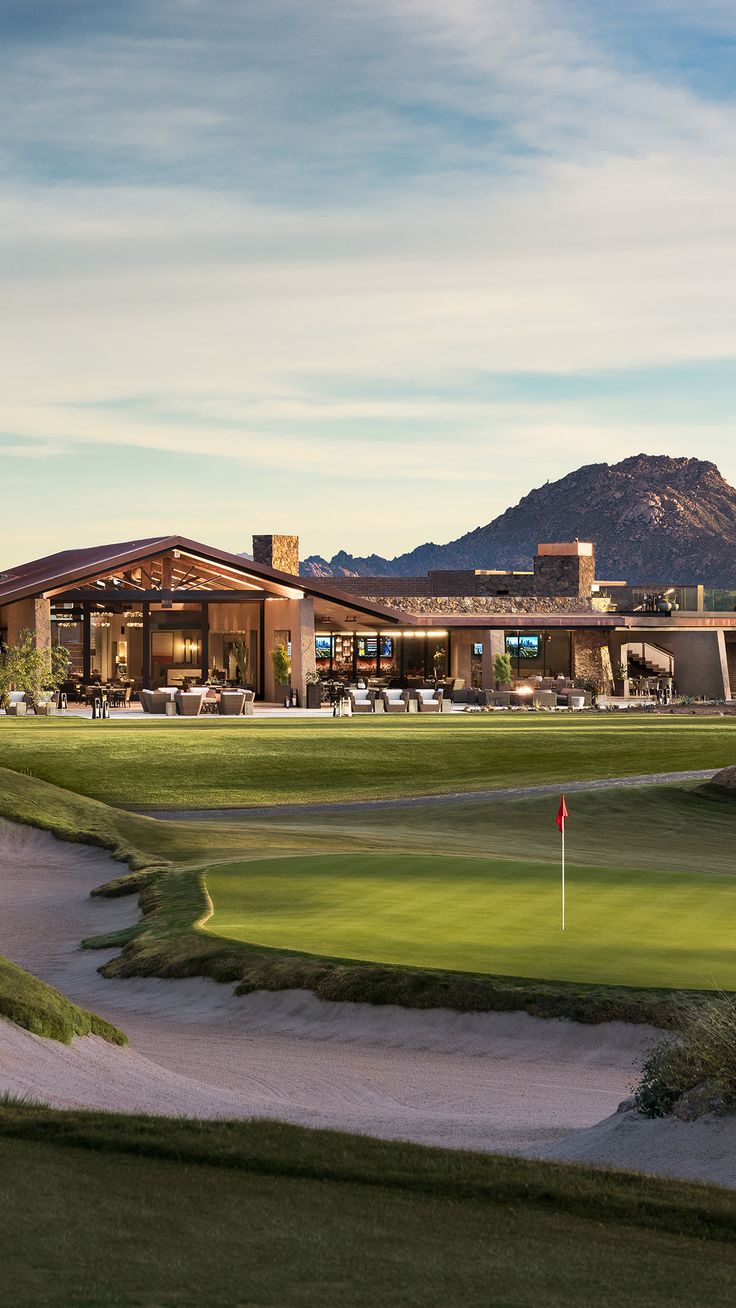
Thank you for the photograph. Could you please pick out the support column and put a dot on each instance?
(462, 657)
(204, 644)
(32, 615)
(147, 645)
(494, 642)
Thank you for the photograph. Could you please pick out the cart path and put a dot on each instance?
(420, 801)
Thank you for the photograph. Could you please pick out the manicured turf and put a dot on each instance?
(101, 1211)
(624, 927)
(180, 766)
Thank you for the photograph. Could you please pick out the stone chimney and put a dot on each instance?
(279, 552)
(565, 568)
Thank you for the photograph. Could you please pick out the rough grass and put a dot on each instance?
(261, 1213)
(39, 1008)
(264, 762)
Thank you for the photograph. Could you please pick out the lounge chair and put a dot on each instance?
(17, 706)
(429, 701)
(395, 701)
(232, 703)
(362, 700)
(154, 701)
(189, 703)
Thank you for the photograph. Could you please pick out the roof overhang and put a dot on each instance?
(60, 574)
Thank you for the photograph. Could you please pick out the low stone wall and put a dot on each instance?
(458, 604)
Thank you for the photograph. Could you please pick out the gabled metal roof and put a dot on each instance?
(71, 568)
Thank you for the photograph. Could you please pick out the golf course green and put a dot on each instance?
(623, 926)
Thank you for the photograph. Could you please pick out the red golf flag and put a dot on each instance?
(561, 814)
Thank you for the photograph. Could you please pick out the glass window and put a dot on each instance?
(343, 657)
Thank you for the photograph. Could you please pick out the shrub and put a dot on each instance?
(281, 665)
(502, 669)
(25, 667)
(702, 1055)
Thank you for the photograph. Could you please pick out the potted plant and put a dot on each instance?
(314, 690)
(622, 680)
(438, 663)
(281, 664)
(502, 670)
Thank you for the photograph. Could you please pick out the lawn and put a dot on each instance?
(101, 1210)
(624, 926)
(302, 761)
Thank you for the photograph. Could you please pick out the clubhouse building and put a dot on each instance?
(160, 611)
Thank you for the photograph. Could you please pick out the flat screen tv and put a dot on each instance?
(523, 647)
(477, 649)
(322, 647)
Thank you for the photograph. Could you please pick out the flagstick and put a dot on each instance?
(562, 831)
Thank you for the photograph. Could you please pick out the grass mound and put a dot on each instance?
(267, 1213)
(39, 1008)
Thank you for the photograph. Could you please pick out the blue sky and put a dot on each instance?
(367, 272)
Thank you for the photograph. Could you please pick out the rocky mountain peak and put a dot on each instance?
(654, 519)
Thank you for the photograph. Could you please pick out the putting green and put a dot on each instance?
(624, 926)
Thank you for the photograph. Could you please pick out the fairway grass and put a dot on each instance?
(105, 1210)
(159, 765)
(624, 926)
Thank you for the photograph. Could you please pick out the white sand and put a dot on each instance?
(494, 1081)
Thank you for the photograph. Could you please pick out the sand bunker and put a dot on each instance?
(495, 1081)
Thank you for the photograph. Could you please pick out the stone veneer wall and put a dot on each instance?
(554, 576)
(280, 552)
(511, 604)
(564, 574)
(591, 657)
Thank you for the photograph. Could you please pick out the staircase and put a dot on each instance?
(646, 660)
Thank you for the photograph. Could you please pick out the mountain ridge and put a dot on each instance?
(652, 518)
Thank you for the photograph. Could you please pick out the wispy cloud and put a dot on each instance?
(289, 234)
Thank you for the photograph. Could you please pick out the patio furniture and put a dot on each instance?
(545, 699)
(154, 701)
(395, 701)
(429, 701)
(189, 703)
(17, 706)
(564, 697)
(362, 701)
(232, 703)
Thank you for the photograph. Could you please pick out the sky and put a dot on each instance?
(365, 272)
